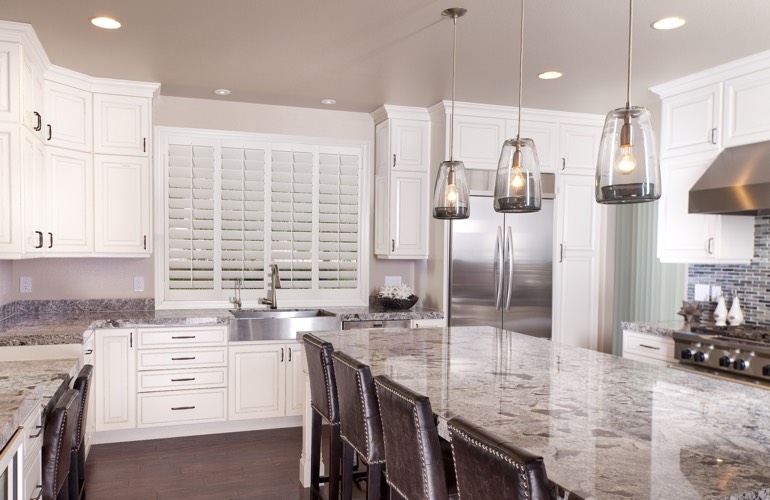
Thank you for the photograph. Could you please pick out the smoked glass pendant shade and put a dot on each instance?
(450, 194)
(517, 186)
(627, 170)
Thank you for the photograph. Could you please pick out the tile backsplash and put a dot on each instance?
(751, 281)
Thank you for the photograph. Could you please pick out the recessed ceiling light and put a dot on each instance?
(107, 23)
(669, 23)
(328, 102)
(549, 75)
(222, 92)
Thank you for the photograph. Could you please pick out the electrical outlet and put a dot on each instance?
(25, 284)
(701, 293)
(716, 291)
(138, 283)
(392, 280)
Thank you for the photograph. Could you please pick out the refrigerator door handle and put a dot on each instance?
(509, 248)
(499, 250)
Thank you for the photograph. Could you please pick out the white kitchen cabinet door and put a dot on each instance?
(32, 98)
(10, 189)
(256, 381)
(69, 200)
(690, 122)
(576, 268)
(747, 109)
(579, 148)
(122, 204)
(409, 142)
(408, 225)
(478, 141)
(121, 125)
(295, 380)
(115, 379)
(9, 82)
(697, 238)
(545, 136)
(34, 193)
(68, 117)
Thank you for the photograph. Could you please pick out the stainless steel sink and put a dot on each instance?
(279, 324)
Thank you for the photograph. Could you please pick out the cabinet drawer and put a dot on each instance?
(170, 337)
(203, 378)
(33, 475)
(182, 407)
(33, 433)
(159, 359)
(650, 346)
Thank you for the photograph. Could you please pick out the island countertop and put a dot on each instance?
(607, 427)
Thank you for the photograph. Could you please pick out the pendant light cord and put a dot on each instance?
(454, 67)
(630, 30)
(521, 69)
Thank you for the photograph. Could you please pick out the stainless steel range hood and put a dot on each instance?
(737, 183)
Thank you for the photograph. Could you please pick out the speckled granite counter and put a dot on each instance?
(23, 384)
(658, 328)
(377, 313)
(607, 427)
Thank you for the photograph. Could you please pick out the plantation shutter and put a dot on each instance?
(191, 235)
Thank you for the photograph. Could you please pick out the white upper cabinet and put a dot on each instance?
(121, 125)
(697, 238)
(9, 82)
(10, 209)
(544, 134)
(32, 98)
(690, 122)
(69, 201)
(122, 204)
(68, 117)
(402, 184)
(579, 148)
(478, 141)
(747, 109)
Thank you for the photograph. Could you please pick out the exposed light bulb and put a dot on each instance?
(627, 161)
(518, 180)
(451, 194)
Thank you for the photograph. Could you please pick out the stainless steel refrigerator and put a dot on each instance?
(502, 270)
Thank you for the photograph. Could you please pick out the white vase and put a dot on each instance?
(735, 316)
(720, 313)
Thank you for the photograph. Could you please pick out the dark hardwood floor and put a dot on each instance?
(252, 465)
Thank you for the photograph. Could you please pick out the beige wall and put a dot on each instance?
(6, 281)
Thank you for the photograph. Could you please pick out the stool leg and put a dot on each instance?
(334, 467)
(315, 453)
(373, 481)
(347, 471)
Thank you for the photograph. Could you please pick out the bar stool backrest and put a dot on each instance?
(414, 465)
(83, 385)
(320, 371)
(360, 422)
(488, 467)
(57, 443)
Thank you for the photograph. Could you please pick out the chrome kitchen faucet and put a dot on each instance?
(236, 301)
(275, 283)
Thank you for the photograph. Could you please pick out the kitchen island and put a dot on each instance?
(607, 427)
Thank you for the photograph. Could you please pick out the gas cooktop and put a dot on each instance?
(743, 332)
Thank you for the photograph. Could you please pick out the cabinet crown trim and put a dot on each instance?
(387, 111)
(510, 113)
(716, 74)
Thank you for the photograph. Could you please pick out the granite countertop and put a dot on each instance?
(607, 427)
(25, 384)
(657, 328)
(67, 326)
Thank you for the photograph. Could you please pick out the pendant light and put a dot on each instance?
(450, 193)
(517, 186)
(628, 170)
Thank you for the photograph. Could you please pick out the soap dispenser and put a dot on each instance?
(720, 313)
(735, 316)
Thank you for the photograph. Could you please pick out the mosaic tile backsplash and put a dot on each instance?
(751, 281)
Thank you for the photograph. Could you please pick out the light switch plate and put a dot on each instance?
(392, 280)
(138, 283)
(25, 284)
(701, 293)
(716, 291)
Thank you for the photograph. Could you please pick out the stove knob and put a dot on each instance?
(740, 364)
(766, 370)
(686, 354)
(700, 357)
(725, 362)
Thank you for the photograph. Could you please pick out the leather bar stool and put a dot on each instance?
(360, 424)
(77, 479)
(489, 467)
(324, 407)
(57, 442)
(418, 466)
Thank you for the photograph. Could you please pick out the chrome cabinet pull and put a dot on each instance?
(394, 161)
(39, 125)
(184, 358)
(714, 135)
(561, 252)
(509, 239)
(563, 163)
(649, 347)
(182, 408)
(33, 436)
(50, 241)
(499, 250)
(187, 379)
(40, 239)
(183, 337)
(710, 247)
(50, 132)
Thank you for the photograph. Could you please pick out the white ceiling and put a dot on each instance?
(364, 53)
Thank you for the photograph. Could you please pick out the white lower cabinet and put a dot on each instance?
(648, 348)
(32, 445)
(428, 323)
(182, 407)
(115, 379)
(265, 380)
